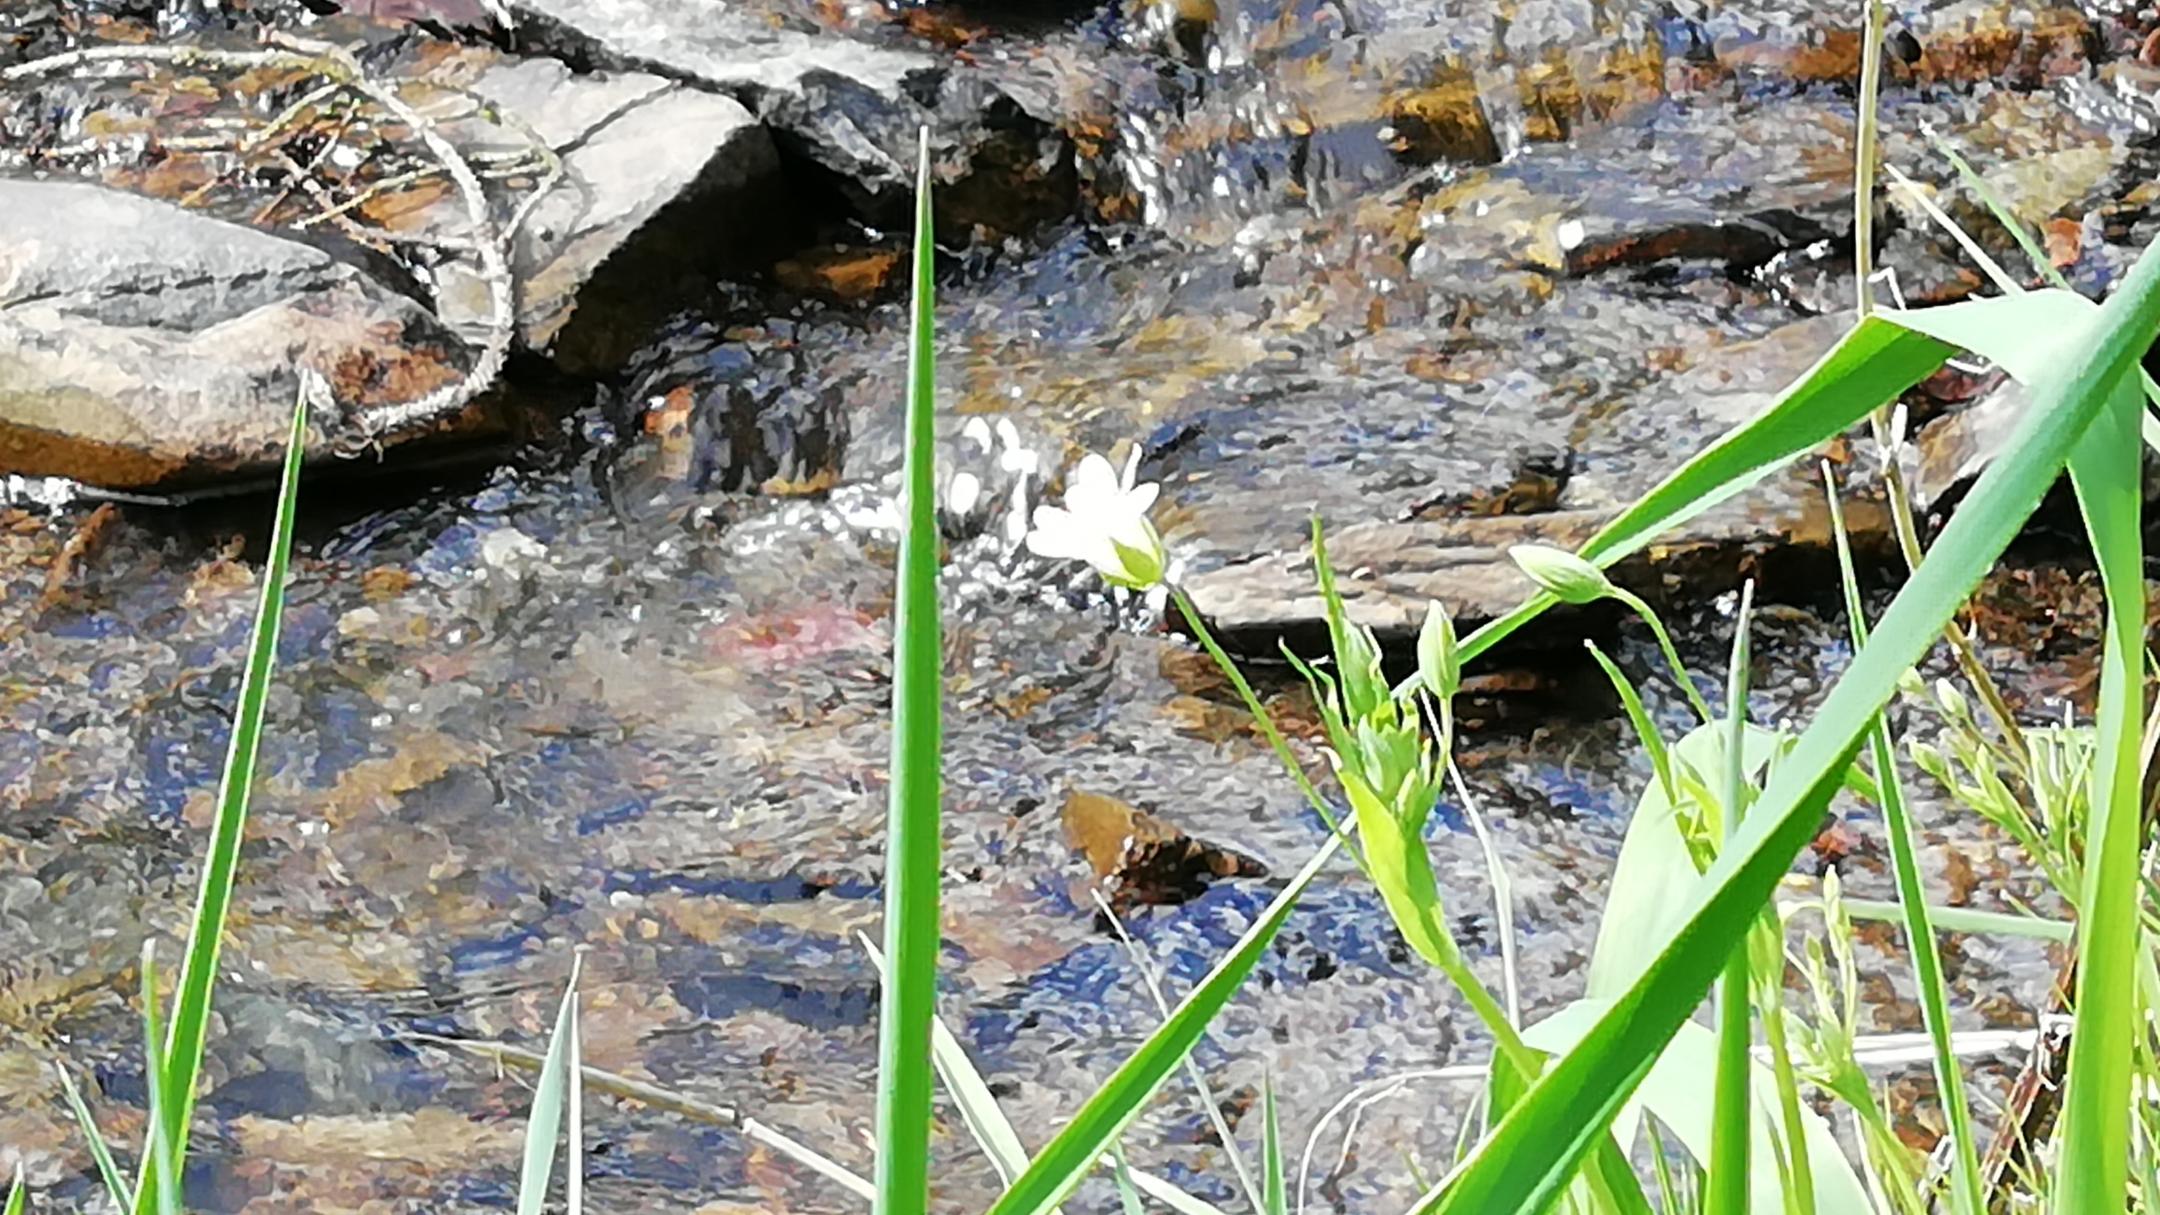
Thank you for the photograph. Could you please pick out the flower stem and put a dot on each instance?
(1672, 655)
(1261, 719)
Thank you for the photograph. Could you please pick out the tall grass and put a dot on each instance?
(908, 1000)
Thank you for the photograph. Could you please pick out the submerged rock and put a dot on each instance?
(145, 345)
(1142, 858)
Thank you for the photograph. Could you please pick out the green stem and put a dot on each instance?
(1733, 1114)
(1871, 40)
(1261, 719)
(1800, 1187)
(1672, 655)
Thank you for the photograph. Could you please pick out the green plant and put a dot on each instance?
(1537, 1147)
(908, 1001)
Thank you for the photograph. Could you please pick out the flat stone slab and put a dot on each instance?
(659, 181)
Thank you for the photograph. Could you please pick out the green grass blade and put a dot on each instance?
(1732, 1123)
(1128, 1193)
(1966, 1193)
(160, 1166)
(1530, 1158)
(1672, 1096)
(1639, 717)
(2094, 1139)
(574, 1099)
(1969, 920)
(190, 1026)
(549, 1096)
(18, 1199)
(100, 1152)
(1067, 1158)
(908, 1000)
(1869, 367)
(1208, 1104)
(979, 1108)
(1274, 1194)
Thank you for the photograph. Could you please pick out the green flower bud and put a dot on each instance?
(1567, 576)
(1952, 701)
(1439, 669)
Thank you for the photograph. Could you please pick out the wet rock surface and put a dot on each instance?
(144, 345)
(630, 689)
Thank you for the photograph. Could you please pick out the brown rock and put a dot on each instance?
(1143, 859)
(1445, 120)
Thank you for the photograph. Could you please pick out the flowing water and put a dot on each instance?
(628, 691)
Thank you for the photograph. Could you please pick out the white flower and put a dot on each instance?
(1104, 523)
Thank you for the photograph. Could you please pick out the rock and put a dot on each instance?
(148, 346)
(1143, 859)
(1456, 551)
(1444, 120)
(663, 187)
(849, 107)
(738, 409)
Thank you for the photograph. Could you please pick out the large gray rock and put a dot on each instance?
(145, 345)
(662, 187)
(848, 106)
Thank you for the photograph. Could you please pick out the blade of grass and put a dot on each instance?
(158, 1162)
(1968, 920)
(2107, 472)
(1067, 1158)
(574, 1154)
(1966, 1194)
(100, 1152)
(1128, 1193)
(190, 1026)
(549, 1092)
(985, 1119)
(908, 1000)
(1208, 1104)
(1732, 1123)
(1274, 1194)
(18, 1199)
(1532, 1155)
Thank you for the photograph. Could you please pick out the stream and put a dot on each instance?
(628, 690)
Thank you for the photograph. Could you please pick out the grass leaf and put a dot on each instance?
(1966, 1194)
(908, 999)
(160, 1168)
(1090, 1132)
(1273, 1193)
(1732, 1122)
(1530, 1158)
(1672, 1096)
(18, 1199)
(190, 1024)
(550, 1092)
(100, 1152)
(2093, 1171)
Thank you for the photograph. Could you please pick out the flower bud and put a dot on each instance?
(1952, 701)
(1567, 576)
(1439, 669)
